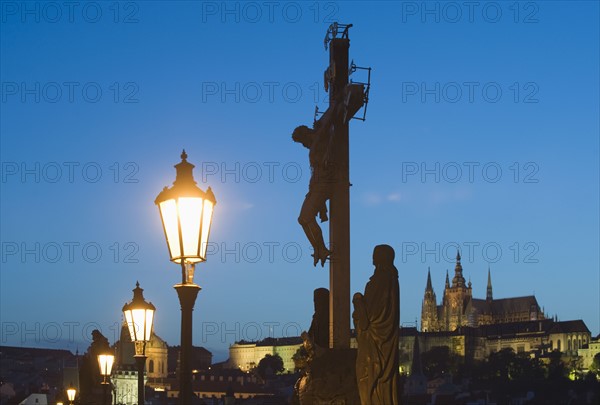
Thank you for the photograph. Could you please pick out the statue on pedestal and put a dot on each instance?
(376, 319)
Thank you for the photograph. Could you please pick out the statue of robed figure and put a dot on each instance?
(376, 319)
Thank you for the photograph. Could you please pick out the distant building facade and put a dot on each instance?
(125, 376)
(459, 308)
(589, 352)
(30, 370)
(535, 338)
(246, 355)
(201, 359)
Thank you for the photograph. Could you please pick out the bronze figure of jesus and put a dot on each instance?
(320, 140)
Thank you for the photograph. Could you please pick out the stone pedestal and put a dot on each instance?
(330, 379)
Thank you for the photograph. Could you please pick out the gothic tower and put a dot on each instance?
(489, 297)
(444, 322)
(457, 297)
(429, 321)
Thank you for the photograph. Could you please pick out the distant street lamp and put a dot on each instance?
(105, 361)
(186, 214)
(71, 392)
(139, 316)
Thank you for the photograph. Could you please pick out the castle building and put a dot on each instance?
(246, 355)
(535, 338)
(589, 351)
(459, 308)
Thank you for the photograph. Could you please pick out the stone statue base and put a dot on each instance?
(330, 379)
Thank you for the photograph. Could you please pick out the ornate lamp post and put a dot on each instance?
(71, 392)
(186, 214)
(105, 361)
(139, 316)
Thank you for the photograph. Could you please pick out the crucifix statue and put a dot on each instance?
(328, 146)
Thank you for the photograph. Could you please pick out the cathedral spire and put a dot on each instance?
(458, 280)
(489, 296)
(447, 279)
(429, 287)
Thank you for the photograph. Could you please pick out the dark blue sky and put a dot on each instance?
(482, 133)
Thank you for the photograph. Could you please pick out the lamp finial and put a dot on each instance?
(183, 155)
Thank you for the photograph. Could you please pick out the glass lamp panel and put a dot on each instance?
(106, 362)
(148, 324)
(130, 324)
(110, 359)
(190, 214)
(71, 394)
(168, 212)
(206, 221)
(139, 323)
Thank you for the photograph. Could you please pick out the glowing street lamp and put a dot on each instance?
(71, 392)
(105, 361)
(186, 214)
(139, 316)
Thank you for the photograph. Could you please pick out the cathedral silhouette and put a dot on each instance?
(459, 308)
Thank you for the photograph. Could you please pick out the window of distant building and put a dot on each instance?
(151, 366)
(520, 349)
(569, 344)
(558, 345)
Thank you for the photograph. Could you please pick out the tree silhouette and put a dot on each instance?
(269, 365)
(438, 361)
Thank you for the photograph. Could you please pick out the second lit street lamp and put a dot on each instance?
(186, 213)
(71, 392)
(105, 361)
(139, 316)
